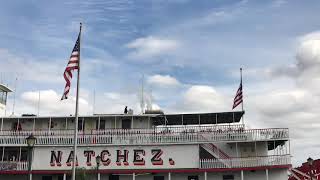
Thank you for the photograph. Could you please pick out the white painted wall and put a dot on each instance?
(184, 156)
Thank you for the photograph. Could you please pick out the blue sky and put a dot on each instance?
(189, 51)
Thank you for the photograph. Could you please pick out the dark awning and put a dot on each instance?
(4, 88)
(198, 118)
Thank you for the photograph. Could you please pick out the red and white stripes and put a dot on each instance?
(72, 65)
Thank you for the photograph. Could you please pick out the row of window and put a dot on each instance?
(13, 154)
(126, 124)
(117, 177)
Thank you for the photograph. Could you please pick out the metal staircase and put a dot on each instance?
(217, 153)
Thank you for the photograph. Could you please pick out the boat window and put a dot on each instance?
(80, 124)
(158, 177)
(114, 177)
(126, 123)
(228, 177)
(193, 178)
(46, 177)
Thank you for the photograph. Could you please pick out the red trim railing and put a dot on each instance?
(13, 165)
(146, 136)
(246, 162)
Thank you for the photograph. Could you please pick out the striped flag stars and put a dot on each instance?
(238, 98)
(72, 65)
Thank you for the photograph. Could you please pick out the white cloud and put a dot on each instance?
(148, 47)
(163, 80)
(29, 68)
(292, 105)
(50, 104)
(279, 3)
(201, 98)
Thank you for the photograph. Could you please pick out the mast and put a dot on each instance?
(242, 95)
(76, 116)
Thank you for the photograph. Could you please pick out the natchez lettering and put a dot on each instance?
(122, 157)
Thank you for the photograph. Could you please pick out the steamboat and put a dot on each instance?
(148, 146)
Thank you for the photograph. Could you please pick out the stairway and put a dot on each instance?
(217, 153)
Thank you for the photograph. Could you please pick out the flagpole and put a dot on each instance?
(76, 116)
(242, 95)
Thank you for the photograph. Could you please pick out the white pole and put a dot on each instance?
(14, 96)
(64, 176)
(131, 122)
(169, 176)
(2, 154)
(38, 105)
(267, 174)
(94, 101)
(76, 117)
(1, 124)
(34, 124)
(205, 176)
(50, 121)
(242, 95)
(242, 175)
(134, 176)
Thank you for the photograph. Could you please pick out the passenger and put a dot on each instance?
(126, 110)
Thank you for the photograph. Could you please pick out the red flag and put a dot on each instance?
(72, 65)
(238, 98)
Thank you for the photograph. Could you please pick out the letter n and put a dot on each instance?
(55, 159)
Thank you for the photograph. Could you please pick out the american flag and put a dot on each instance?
(72, 65)
(238, 98)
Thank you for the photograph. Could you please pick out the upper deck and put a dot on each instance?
(143, 129)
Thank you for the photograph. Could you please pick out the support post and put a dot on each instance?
(255, 148)
(131, 122)
(30, 163)
(169, 176)
(17, 128)
(134, 176)
(242, 175)
(34, 124)
(75, 138)
(19, 159)
(237, 150)
(50, 124)
(64, 176)
(205, 176)
(1, 124)
(2, 153)
(98, 127)
(267, 174)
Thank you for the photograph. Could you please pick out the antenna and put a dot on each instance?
(142, 95)
(94, 101)
(151, 99)
(38, 104)
(14, 95)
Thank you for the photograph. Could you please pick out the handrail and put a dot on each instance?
(147, 136)
(13, 165)
(158, 129)
(247, 162)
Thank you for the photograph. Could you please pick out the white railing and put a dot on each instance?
(217, 153)
(13, 165)
(246, 162)
(147, 136)
(158, 129)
